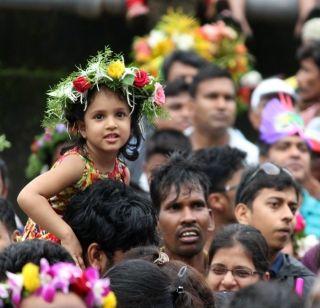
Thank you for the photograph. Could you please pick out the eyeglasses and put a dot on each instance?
(240, 272)
(269, 169)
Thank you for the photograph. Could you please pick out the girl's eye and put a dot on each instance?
(121, 114)
(99, 116)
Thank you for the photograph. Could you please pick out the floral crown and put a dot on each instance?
(4, 143)
(106, 68)
(47, 280)
(216, 42)
(42, 149)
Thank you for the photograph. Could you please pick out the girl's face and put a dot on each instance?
(231, 269)
(106, 125)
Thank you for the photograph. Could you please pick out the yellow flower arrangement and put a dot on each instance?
(109, 301)
(116, 69)
(31, 279)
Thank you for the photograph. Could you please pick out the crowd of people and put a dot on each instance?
(143, 193)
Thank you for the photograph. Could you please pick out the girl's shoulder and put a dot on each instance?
(76, 152)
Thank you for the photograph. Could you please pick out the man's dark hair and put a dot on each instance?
(176, 87)
(112, 215)
(186, 57)
(249, 187)
(15, 256)
(249, 238)
(219, 164)
(209, 72)
(265, 294)
(7, 216)
(139, 283)
(179, 171)
(166, 142)
(310, 50)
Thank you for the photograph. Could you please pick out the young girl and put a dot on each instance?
(104, 104)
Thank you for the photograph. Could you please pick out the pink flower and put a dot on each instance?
(300, 223)
(211, 32)
(159, 97)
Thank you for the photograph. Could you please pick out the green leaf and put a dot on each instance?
(128, 80)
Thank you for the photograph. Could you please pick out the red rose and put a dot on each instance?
(80, 286)
(81, 84)
(141, 79)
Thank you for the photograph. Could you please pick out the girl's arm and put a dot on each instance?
(33, 200)
(128, 177)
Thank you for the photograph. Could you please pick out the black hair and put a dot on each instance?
(176, 87)
(75, 113)
(7, 215)
(166, 142)
(4, 174)
(196, 292)
(266, 295)
(15, 256)
(219, 164)
(177, 172)
(248, 189)
(249, 238)
(209, 72)
(186, 57)
(139, 283)
(310, 50)
(112, 215)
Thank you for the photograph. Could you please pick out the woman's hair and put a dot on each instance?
(188, 287)
(75, 113)
(249, 238)
(139, 283)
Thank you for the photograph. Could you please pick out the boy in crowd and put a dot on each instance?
(108, 219)
(267, 199)
(179, 192)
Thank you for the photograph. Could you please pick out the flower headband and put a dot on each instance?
(4, 143)
(279, 120)
(43, 148)
(107, 69)
(63, 277)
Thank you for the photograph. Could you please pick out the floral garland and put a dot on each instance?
(47, 280)
(106, 69)
(216, 42)
(4, 143)
(42, 149)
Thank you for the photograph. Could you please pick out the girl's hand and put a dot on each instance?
(72, 245)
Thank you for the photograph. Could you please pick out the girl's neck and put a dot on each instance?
(102, 161)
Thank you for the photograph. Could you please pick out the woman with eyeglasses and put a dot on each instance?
(237, 258)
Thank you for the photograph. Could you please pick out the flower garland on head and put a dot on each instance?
(4, 143)
(139, 88)
(43, 148)
(47, 280)
(216, 42)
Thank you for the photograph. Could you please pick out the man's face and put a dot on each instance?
(180, 110)
(181, 70)
(214, 105)
(308, 78)
(184, 221)
(272, 213)
(291, 153)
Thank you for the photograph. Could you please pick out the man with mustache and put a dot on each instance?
(213, 92)
(282, 141)
(179, 192)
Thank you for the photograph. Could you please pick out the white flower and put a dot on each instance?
(183, 41)
(305, 243)
(155, 38)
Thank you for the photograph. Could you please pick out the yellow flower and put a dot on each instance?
(31, 279)
(109, 301)
(116, 69)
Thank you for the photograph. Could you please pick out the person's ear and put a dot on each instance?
(82, 129)
(266, 276)
(211, 221)
(97, 258)
(255, 119)
(15, 236)
(242, 214)
(216, 202)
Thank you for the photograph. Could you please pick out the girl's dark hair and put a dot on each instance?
(75, 113)
(249, 238)
(195, 293)
(139, 283)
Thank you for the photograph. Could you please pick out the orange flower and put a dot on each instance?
(240, 49)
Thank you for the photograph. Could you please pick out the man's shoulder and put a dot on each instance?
(292, 267)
